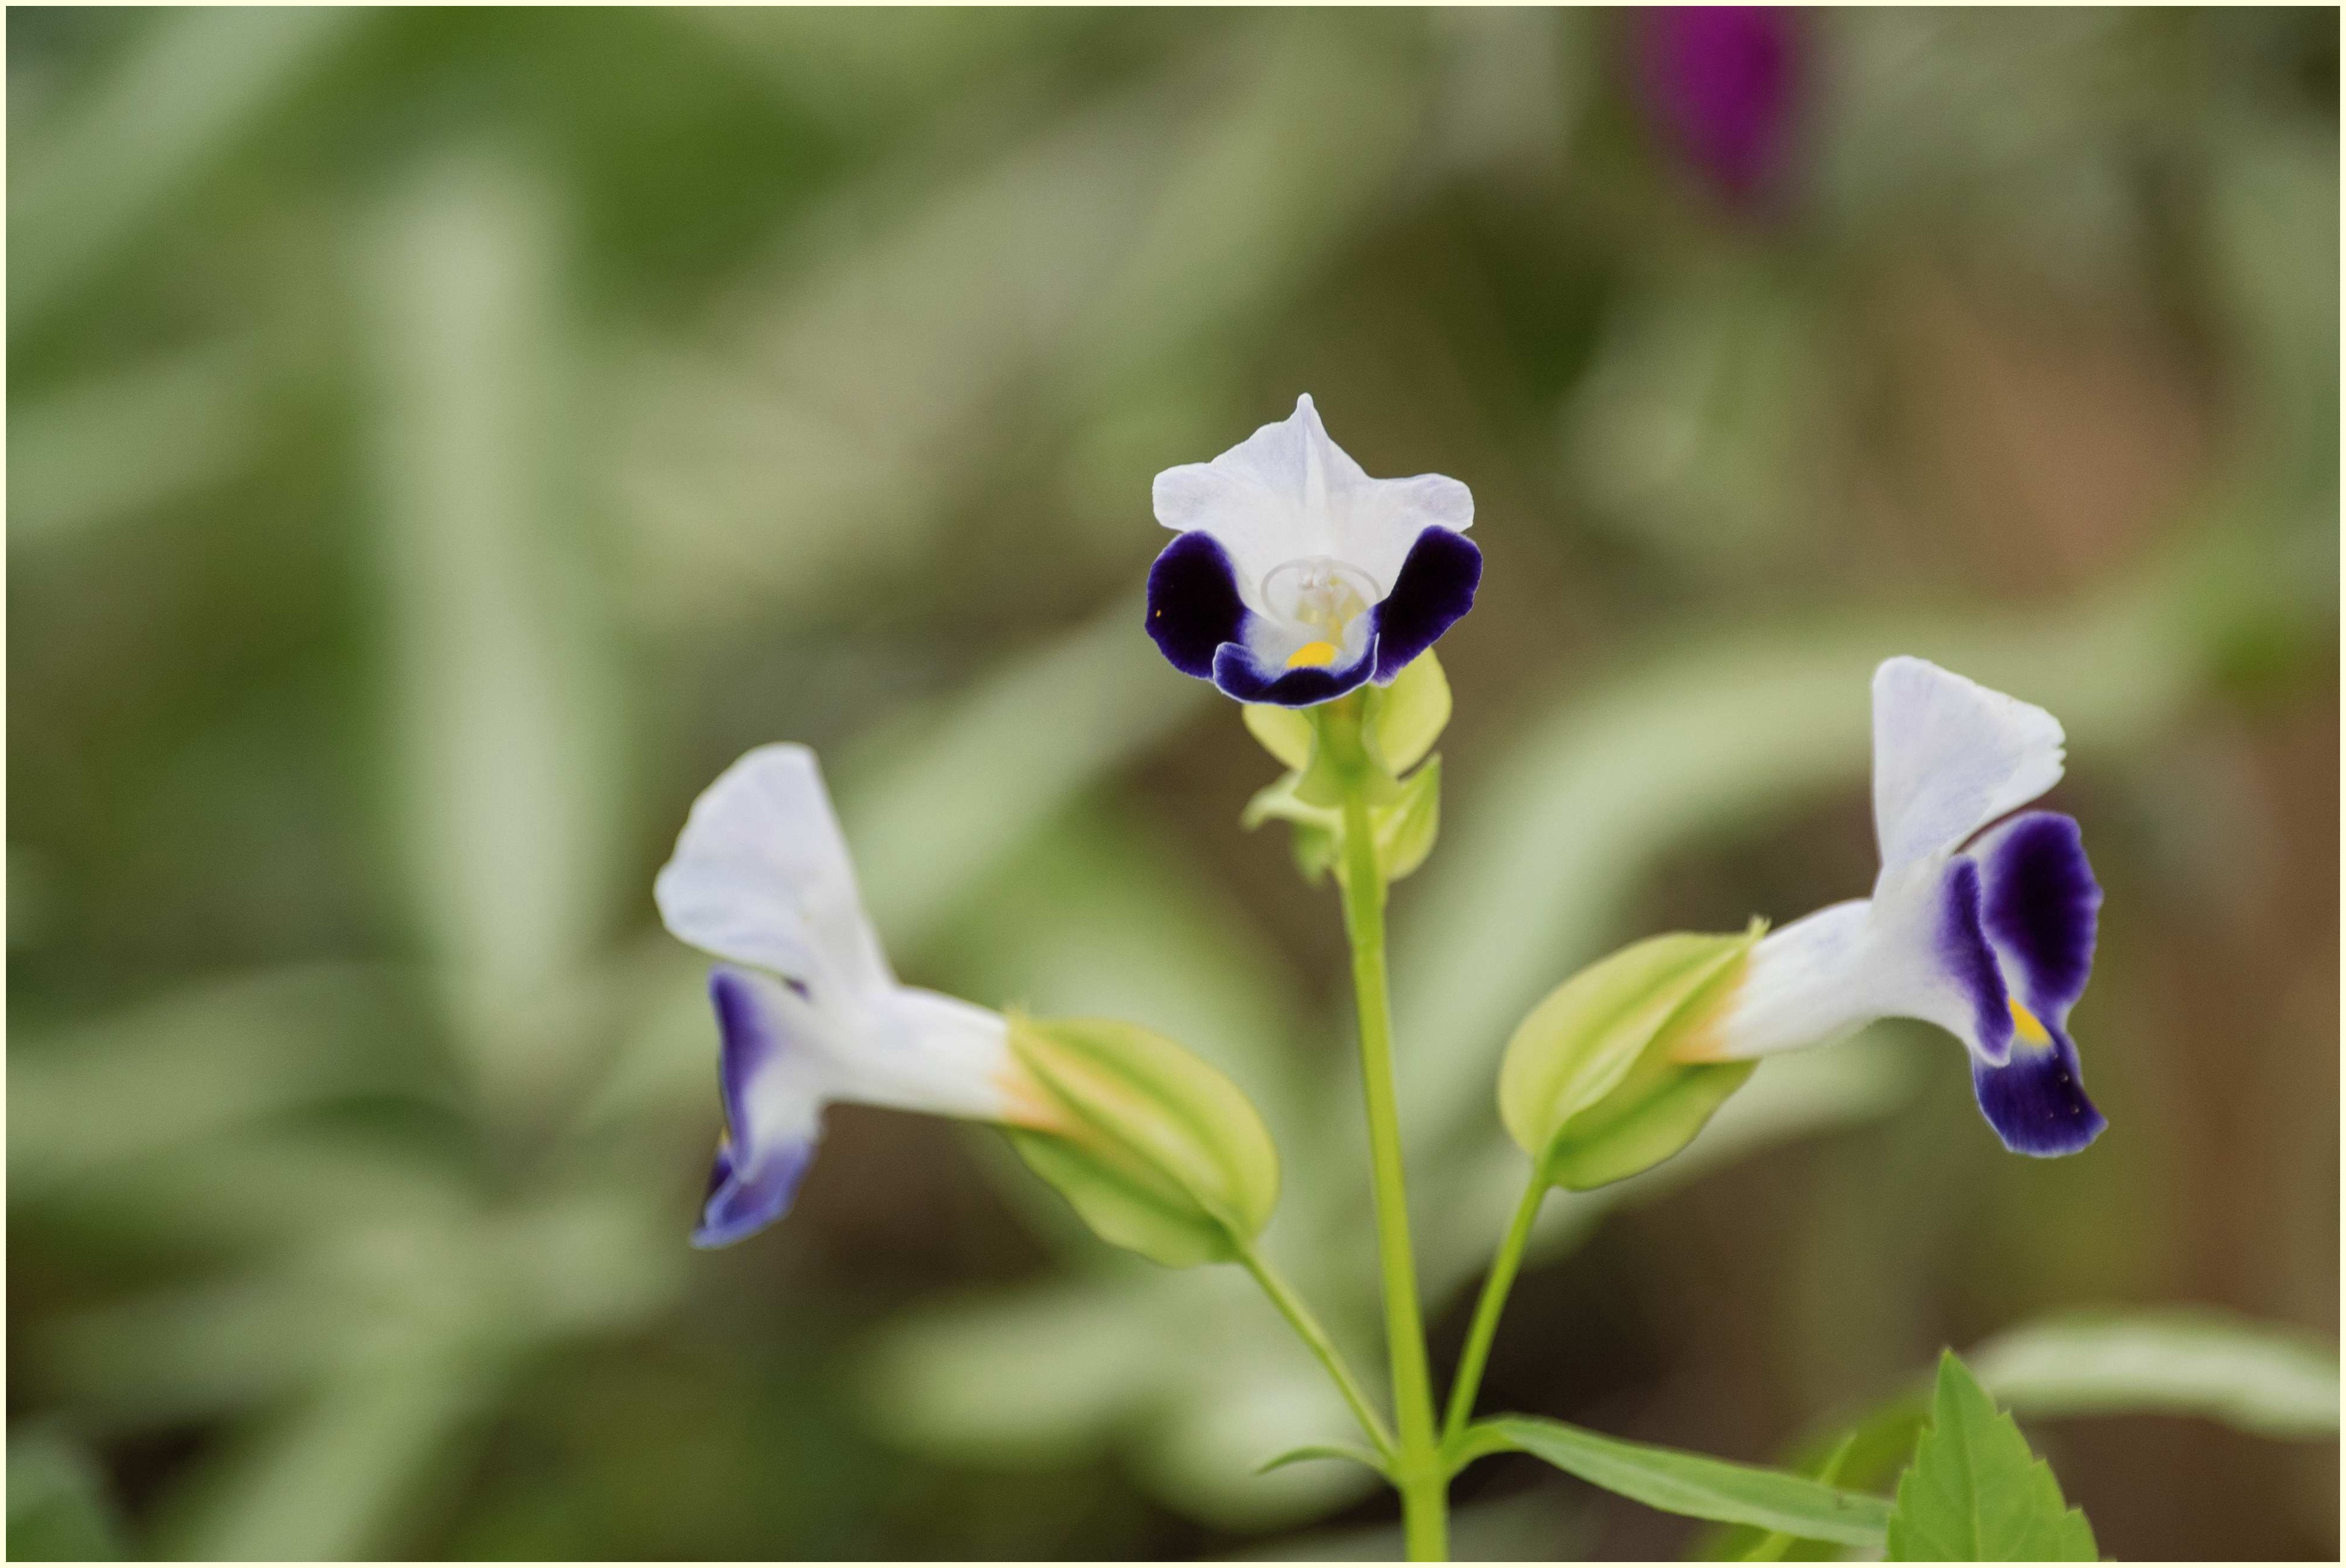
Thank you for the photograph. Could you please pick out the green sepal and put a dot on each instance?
(1284, 732)
(1406, 829)
(1389, 728)
(1406, 825)
(1158, 1151)
(1343, 1450)
(1975, 1492)
(1405, 720)
(1591, 1088)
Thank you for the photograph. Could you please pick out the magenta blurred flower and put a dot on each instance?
(1720, 80)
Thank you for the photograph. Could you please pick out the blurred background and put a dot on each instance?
(441, 441)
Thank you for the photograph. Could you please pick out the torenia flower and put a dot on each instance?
(1297, 576)
(808, 1011)
(1988, 936)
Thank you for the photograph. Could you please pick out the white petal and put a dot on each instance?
(1288, 492)
(1831, 972)
(1949, 756)
(940, 1055)
(760, 875)
(1379, 522)
(1807, 983)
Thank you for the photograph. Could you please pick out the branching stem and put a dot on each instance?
(1308, 1329)
(1495, 1286)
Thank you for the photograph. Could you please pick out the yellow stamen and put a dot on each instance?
(2031, 1029)
(1317, 653)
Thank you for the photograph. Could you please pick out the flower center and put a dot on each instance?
(2032, 1028)
(1318, 594)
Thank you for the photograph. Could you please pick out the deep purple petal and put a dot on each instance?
(746, 1199)
(749, 1037)
(1193, 603)
(2036, 1102)
(2041, 905)
(1965, 958)
(751, 1183)
(1240, 675)
(1435, 587)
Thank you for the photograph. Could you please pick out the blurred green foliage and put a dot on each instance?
(441, 440)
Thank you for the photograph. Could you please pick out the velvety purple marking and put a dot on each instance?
(1241, 675)
(753, 1196)
(1193, 603)
(2036, 1102)
(1965, 958)
(749, 1185)
(1436, 586)
(747, 1039)
(2041, 904)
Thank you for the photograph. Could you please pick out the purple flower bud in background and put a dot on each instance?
(1718, 81)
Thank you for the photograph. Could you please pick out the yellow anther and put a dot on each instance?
(2031, 1030)
(1312, 654)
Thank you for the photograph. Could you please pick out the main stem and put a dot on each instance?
(1502, 1279)
(1417, 1469)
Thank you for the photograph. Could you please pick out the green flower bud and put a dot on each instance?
(1158, 1151)
(1593, 1087)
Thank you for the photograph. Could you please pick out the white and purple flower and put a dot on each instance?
(808, 1011)
(1990, 935)
(1297, 577)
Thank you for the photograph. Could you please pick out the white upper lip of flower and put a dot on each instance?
(1314, 542)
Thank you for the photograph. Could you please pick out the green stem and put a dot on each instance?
(1417, 1469)
(1495, 1286)
(1307, 1328)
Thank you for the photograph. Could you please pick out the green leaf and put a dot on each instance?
(1976, 1493)
(1343, 1450)
(2261, 1378)
(1693, 1484)
(1589, 1088)
(1158, 1152)
(1408, 716)
(1864, 1457)
(1775, 1545)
